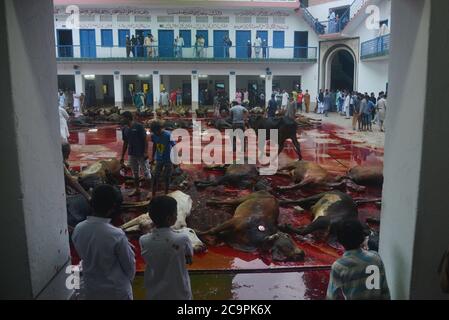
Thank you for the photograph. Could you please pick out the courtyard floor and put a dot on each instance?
(225, 273)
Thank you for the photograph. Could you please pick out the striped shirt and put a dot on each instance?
(358, 275)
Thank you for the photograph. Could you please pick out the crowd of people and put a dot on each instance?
(364, 109)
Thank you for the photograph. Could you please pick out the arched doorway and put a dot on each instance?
(342, 71)
(339, 69)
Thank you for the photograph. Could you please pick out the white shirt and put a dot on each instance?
(107, 257)
(180, 42)
(64, 128)
(164, 251)
(258, 42)
(61, 100)
(76, 100)
(284, 98)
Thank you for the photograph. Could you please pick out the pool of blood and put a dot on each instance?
(321, 145)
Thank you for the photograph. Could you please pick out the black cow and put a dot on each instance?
(287, 129)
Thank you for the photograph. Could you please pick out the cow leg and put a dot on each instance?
(293, 186)
(233, 202)
(297, 147)
(305, 202)
(205, 184)
(319, 224)
(224, 227)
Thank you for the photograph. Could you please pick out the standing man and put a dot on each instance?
(76, 103)
(327, 102)
(249, 49)
(179, 43)
(164, 99)
(264, 49)
(135, 141)
(128, 46)
(356, 113)
(257, 46)
(238, 115)
(299, 100)
(307, 101)
(320, 102)
(179, 97)
(162, 146)
(227, 44)
(134, 45)
(147, 44)
(272, 107)
(381, 111)
(284, 101)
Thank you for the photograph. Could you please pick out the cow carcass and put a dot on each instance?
(254, 226)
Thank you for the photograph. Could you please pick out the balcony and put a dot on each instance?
(193, 54)
(376, 48)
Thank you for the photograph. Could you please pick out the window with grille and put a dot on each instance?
(280, 20)
(202, 19)
(242, 19)
(105, 18)
(221, 19)
(262, 20)
(142, 18)
(165, 19)
(87, 18)
(123, 18)
(185, 19)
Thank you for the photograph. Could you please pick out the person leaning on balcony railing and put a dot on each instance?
(227, 44)
(257, 46)
(147, 45)
(128, 46)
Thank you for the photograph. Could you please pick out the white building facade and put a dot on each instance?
(92, 51)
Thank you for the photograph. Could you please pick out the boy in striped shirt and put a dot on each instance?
(359, 274)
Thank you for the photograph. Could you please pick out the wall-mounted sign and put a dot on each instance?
(194, 12)
(262, 13)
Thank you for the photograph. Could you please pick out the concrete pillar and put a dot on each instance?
(80, 83)
(118, 89)
(232, 85)
(33, 223)
(268, 87)
(156, 88)
(195, 91)
(414, 230)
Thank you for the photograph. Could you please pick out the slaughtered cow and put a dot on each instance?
(254, 226)
(143, 223)
(327, 209)
(310, 174)
(100, 172)
(236, 175)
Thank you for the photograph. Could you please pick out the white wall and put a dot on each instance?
(373, 76)
(293, 22)
(33, 223)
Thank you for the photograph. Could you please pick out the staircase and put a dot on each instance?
(333, 27)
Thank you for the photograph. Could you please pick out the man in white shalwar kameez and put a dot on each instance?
(63, 118)
(108, 261)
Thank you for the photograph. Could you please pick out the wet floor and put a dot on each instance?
(330, 146)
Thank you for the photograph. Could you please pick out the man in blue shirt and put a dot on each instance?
(272, 107)
(135, 141)
(162, 146)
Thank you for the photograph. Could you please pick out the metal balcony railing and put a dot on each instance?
(377, 47)
(172, 53)
(334, 25)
